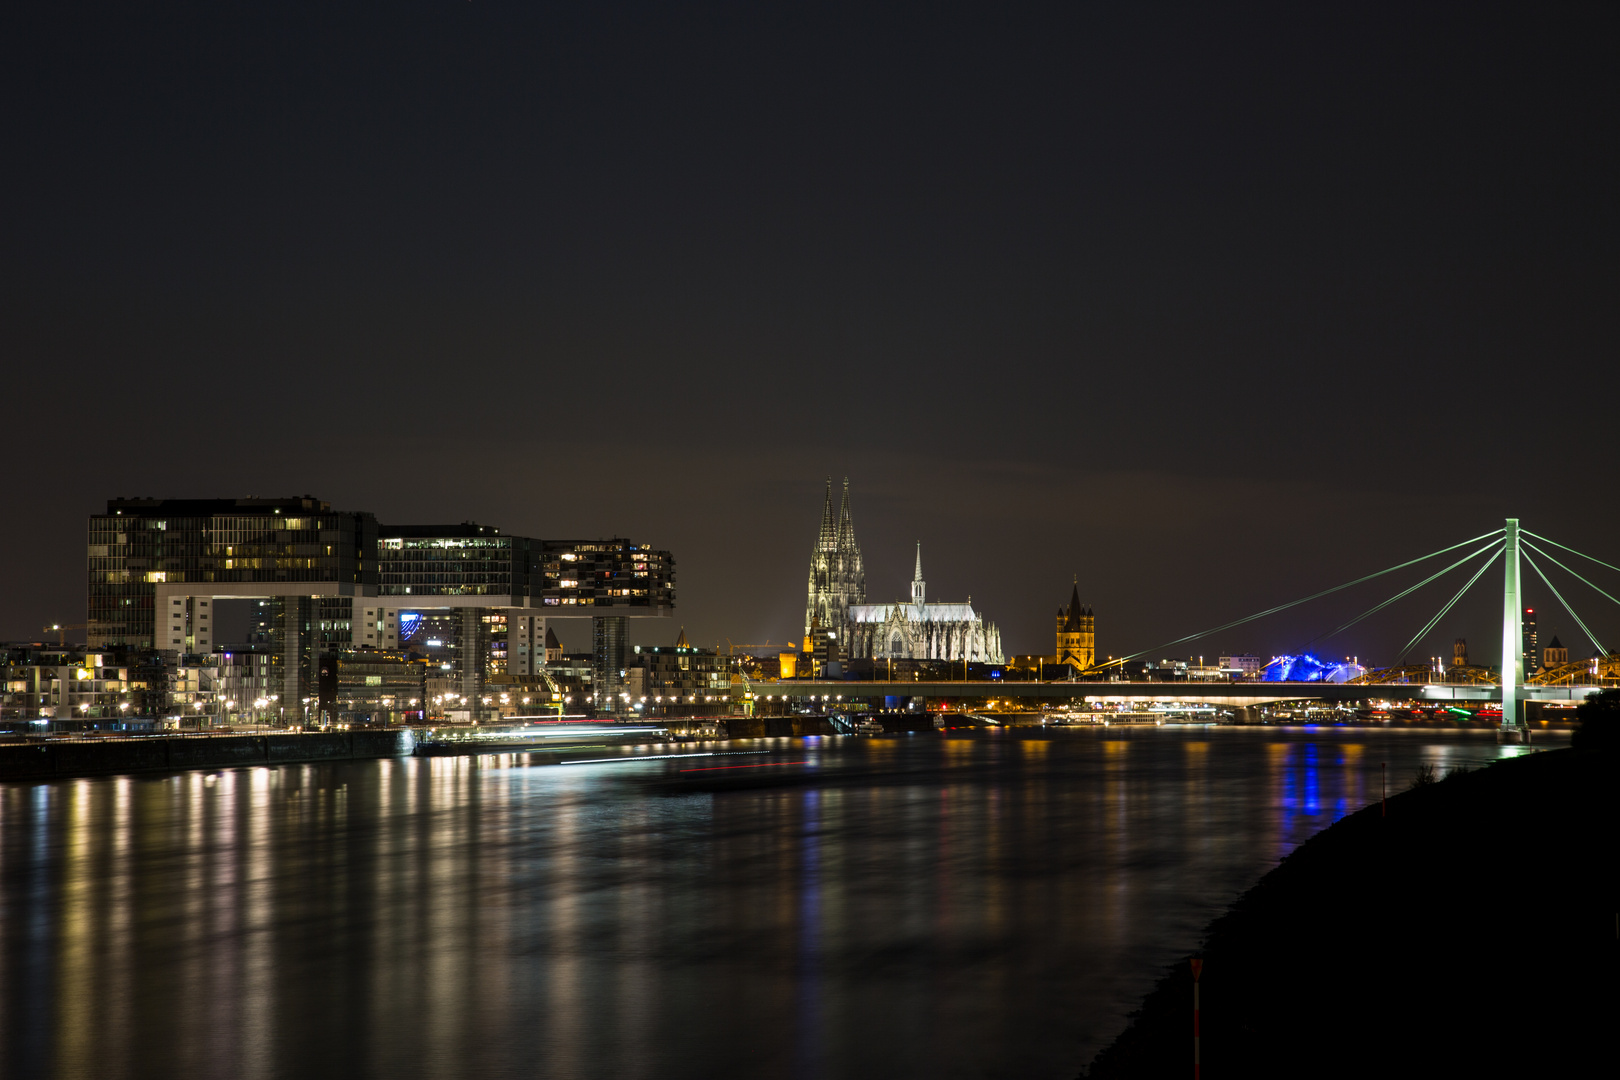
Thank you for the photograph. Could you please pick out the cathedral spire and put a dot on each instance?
(827, 540)
(918, 589)
(846, 526)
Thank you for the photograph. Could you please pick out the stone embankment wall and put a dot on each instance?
(50, 760)
(773, 727)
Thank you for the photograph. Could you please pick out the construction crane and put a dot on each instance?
(731, 647)
(61, 630)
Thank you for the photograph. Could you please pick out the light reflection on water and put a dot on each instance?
(983, 905)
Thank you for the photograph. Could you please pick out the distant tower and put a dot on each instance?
(1556, 653)
(918, 589)
(1076, 633)
(1532, 655)
(837, 572)
(1459, 652)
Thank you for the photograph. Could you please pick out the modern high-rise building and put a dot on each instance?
(1532, 655)
(158, 567)
(154, 563)
(325, 582)
(605, 577)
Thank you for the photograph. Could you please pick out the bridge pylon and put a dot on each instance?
(1512, 729)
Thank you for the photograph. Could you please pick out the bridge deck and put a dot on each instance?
(1235, 693)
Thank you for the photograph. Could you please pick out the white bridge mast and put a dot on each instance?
(1512, 633)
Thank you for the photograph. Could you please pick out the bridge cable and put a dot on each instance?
(1566, 547)
(1442, 612)
(1404, 593)
(1294, 603)
(1567, 608)
(1567, 570)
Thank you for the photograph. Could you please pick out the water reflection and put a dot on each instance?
(978, 904)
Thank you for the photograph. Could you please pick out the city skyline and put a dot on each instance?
(1059, 275)
(731, 540)
(1473, 618)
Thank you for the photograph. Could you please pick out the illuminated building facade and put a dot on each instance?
(1532, 654)
(154, 565)
(1076, 645)
(837, 571)
(920, 630)
(1076, 634)
(837, 616)
(614, 574)
(158, 567)
(324, 583)
(678, 680)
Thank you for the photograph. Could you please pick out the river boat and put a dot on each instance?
(1133, 718)
(869, 727)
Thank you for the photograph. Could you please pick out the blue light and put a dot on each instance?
(1301, 668)
(409, 623)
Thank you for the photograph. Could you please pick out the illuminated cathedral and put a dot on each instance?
(917, 630)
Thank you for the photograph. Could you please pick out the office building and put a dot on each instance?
(615, 574)
(158, 567)
(326, 583)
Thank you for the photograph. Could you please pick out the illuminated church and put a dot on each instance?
(917, 630)
(1076, 640)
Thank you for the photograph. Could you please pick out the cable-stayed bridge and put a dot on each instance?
(1508, 683)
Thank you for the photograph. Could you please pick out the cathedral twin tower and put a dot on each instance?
(903, 631)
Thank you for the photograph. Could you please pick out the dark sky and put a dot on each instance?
(1210, 305)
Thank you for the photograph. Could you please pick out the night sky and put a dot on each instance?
(1211, 306)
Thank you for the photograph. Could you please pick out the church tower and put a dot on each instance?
(1076, 633)
(919, 591)
(837, 572)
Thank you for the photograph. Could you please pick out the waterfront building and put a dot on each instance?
(1077, 633)
(158, 567)
(372, 687)
(77, 690)
(325, 583)
(227, 685)
(839, 624)
(1076, 642)
(837, 571)
(464, 586)
(1242, 666)
(920, 630)
(679, 680)
(618, 575)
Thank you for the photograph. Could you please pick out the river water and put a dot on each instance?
(974, 905)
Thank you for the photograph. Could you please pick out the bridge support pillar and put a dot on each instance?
(1512, 638)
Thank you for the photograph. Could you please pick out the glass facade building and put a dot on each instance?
(606, 573)
(322, 583)
(217, 547)
(454, 560)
